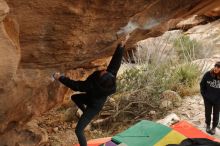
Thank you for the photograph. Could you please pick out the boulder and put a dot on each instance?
(171, 98)
(40, 37)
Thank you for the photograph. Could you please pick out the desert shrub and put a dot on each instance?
(188, 49)
(140, 86)
(184, 79)
(160, 64)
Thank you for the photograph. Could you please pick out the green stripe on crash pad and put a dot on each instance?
(144, 133)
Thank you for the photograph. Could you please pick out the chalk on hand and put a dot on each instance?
(52, 77)
(127, 36)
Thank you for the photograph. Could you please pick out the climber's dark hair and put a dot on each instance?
(107, 80)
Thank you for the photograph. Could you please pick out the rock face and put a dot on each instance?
(56, 33)
(10, 49)
(40, 37)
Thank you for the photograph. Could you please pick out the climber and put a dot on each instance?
(96, 88)
(210, 90)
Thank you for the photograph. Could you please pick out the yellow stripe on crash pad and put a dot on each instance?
(173, 137)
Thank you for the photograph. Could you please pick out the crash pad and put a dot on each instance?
(109, 143)
(144, 133)
(97, 142)
(190, 131)
(173, 137)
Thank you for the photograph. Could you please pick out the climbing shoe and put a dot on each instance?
(212, 131)
(208, 130)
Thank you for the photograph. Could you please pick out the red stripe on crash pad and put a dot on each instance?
(190, 131)
(97, 142)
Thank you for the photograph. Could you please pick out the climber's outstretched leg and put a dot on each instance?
(84, 120)
(80, 100)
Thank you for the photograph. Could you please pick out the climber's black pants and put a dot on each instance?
(89, 112)
(209, 108)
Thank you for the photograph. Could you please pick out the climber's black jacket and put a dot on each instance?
(91, 86)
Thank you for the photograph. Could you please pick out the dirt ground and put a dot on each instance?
(192, 110)
(61, 131)
(60, 125)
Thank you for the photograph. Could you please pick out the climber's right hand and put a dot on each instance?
(122, 43)
(56, 75)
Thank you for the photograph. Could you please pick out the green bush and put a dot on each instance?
(140, 87)
(188, 49)
(186, 74)
(184, 79)
(131, 79)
